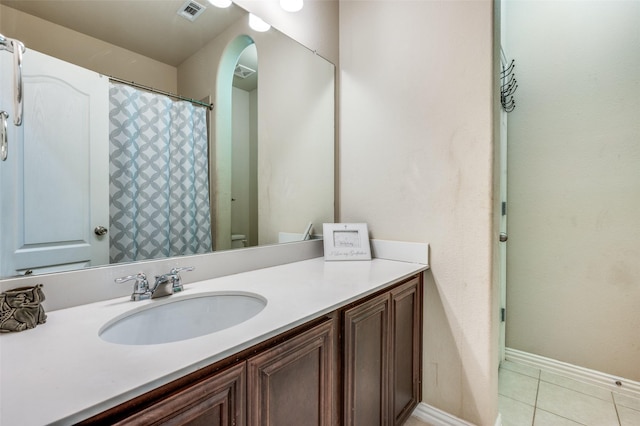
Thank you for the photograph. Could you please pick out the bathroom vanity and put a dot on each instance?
(336, 343)
(364, 357)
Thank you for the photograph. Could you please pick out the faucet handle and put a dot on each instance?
(185, 268)
(177, 280)
(140, 287)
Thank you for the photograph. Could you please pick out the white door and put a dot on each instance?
(503, 232)
(503, 226)
(6, 107)
(55, 182)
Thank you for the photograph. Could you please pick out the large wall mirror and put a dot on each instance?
(254, 170)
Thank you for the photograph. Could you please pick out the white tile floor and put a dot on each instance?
(533, 397)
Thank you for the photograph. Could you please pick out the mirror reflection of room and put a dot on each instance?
(243, 181)
(244, 166)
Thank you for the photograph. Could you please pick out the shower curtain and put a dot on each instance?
(159, 178)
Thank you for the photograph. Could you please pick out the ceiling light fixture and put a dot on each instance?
(258, 24)
(220, 3)
(291, 5)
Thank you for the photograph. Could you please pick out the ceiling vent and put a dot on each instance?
(242, 71)
(191, 10)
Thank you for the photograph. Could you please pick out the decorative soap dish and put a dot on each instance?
(21, 309)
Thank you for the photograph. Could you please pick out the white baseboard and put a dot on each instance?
(581, 374)
(437, 417)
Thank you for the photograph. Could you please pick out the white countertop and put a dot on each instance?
(62, 372)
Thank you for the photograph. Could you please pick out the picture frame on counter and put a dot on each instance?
(346, 241)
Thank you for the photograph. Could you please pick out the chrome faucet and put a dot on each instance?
(140, 287)
(165, 285)
(170, 283)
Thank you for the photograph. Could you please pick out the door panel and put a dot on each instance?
(366, 363)
(406, 336)
(57, 171)
(216, 401)
(293, 383)
(502, 252)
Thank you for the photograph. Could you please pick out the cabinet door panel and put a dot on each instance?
(406, 334)
(366, 367)
(293, 383)
(216, 401)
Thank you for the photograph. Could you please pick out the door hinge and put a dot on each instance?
(503, 314)
(504, 208)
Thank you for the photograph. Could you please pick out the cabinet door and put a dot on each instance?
(406, 330)
(294, 383)
(366, 363)
(216, 401)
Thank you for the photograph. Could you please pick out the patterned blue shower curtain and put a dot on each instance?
(159, 178)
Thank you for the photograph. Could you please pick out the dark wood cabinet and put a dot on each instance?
(382, 357)
(406, 350)
(293, 384)
(366, 362)
(216, 401)
(359, 365)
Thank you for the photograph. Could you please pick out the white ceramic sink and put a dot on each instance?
(182, 318)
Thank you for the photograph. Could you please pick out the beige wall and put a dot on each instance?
(295, 143)
(88, 52)
(416, 148)
(574, 184)
(295, 139)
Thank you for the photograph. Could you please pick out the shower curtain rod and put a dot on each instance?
(161, 92)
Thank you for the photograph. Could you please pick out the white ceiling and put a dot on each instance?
(149, 27)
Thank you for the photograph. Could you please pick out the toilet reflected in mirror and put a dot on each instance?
(238, 241)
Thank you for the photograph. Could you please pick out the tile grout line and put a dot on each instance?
(615, 407)
(573, 389)
(535, 403)
(538, 393)
(582, 393)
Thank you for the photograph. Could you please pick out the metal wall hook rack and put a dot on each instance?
(508, 86)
